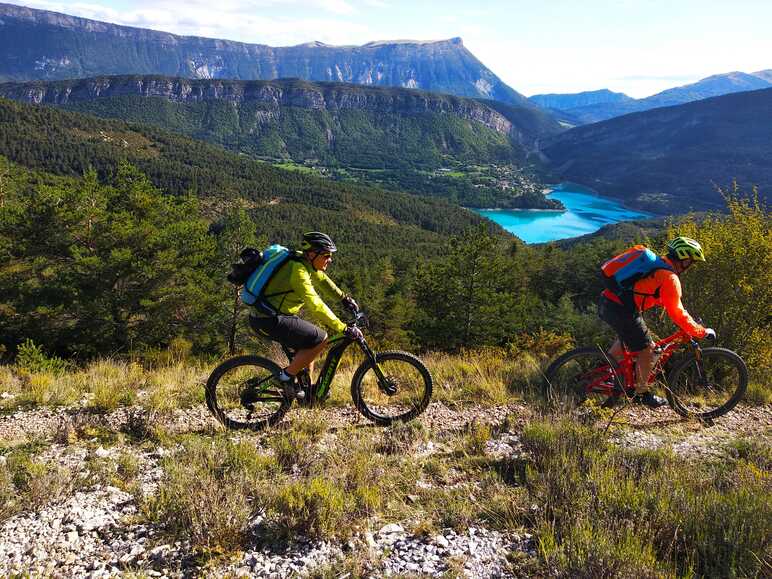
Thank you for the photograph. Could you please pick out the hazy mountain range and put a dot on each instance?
(593, 106)
(38, 44)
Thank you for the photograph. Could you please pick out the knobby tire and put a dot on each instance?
(410, 376)
(687, 395)
(228, 380)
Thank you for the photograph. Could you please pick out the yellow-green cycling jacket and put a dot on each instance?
(294, 285)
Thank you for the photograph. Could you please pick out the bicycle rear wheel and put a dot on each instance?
(708, 385)
(257, 377)
(584, 375)
(405, 393)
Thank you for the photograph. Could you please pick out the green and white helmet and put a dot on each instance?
(685, 248)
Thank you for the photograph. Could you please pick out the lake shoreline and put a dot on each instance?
(515, 209)
(585, 212)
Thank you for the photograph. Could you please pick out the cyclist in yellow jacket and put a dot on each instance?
(294, 287)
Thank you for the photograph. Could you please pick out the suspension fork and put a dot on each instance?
(698, 358)
(371, 356)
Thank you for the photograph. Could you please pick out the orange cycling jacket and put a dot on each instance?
(669, 297)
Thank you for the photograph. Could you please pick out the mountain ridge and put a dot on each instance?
(277, 93)
(478, 153)
(711, 86)
(673, 159)
(53, 46)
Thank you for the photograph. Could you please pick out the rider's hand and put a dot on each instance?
(350, 304)
(353, 333)
(710, 334)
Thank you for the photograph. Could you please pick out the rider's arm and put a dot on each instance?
(327, 286)
(302, 285)
(670, 295)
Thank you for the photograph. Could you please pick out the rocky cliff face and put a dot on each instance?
(38, 44)
(273, 94)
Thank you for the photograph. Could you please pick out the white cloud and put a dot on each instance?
(253, 21)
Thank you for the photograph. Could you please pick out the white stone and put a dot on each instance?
(391, 529)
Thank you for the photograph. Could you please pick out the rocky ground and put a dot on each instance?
(96, 530)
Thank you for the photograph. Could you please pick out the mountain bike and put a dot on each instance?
(705, 383)
(386, 387)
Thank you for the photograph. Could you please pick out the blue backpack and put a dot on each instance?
(271, 260)
(622, 271)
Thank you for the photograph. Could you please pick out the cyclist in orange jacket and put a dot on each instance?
(660, 288)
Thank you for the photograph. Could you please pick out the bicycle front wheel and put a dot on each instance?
(244, 392)
(707, 385)
(584, 375)
(402, 394)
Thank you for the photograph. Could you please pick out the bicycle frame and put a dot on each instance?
(320, 390)
(606, 377)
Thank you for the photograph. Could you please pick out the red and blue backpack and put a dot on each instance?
(620, 273)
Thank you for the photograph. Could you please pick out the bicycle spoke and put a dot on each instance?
(582, 376)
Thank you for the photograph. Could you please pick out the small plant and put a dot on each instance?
(30, 484)
(210, 491)
(142, 425)
(33, 359)
(477, 438)
(112, 384)
(606, 511)
(8, 494)
(403, 437)
(46, 389)
(174, 386)
(297, 448)
(312, 508)
(758, 393)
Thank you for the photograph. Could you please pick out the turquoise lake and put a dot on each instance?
(584, 214)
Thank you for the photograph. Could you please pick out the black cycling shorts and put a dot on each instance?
(627, 323)
(291, 331)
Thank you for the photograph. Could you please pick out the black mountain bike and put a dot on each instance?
(386, 387)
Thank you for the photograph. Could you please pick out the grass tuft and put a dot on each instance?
(210, 491)
(613, 512)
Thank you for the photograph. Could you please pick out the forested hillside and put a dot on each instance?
(673, 159)
(475, 153)
(117, 237)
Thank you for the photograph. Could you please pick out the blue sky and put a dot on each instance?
(635, 46)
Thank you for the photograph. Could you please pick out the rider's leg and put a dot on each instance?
(301, 336)
(616, 351)
(643, 366)
(305, 358)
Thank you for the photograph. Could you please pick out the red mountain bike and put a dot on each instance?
(706, 383)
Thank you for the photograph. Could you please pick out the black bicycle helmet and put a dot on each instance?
(318, 241)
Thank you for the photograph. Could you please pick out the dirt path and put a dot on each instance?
(634, 425)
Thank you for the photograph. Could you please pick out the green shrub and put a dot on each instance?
(33, 359)
(605, 511)
(210, 490)
(403, 437)
(314, 508)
